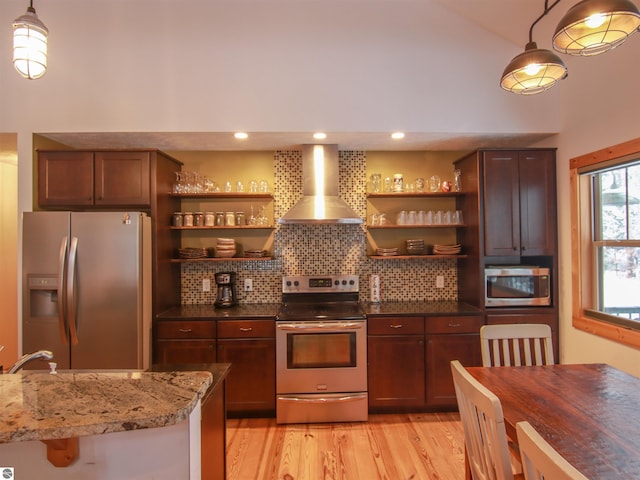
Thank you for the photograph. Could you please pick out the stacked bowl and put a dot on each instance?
(225, 248)
(415, 247)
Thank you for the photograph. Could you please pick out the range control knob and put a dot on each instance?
(344, 282)
(336, 282)
(296, 283)
(288, 283)
(352, 282)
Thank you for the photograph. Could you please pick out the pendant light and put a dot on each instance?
(30, 44)
(592, 27)
(535, 70)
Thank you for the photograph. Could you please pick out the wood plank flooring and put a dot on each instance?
(417, 446)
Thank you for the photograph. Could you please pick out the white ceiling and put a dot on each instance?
(507, 19)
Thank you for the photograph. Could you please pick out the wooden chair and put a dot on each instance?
(526, 342)
(540, 460)
(485, 436)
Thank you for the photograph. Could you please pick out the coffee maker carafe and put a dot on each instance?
(226, 284)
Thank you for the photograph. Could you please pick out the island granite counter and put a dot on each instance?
(107, 424)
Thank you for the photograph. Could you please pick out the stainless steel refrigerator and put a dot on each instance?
(86, 288)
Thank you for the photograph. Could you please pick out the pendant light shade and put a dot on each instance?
(592, 27)
(30, 45)
(533, 71)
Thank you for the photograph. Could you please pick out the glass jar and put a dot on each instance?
(229, 219)
(177, 219)
(198, 219)
(240, 219)
(209, 219)
(187, 219)
(219, 219)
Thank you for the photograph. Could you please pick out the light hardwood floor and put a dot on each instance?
(391, 447)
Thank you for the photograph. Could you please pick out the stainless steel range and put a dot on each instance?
(321, 351)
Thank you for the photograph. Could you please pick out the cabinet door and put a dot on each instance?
(122, 178)
(251, 383)
(65, 178)
(396, 372)
(501, 203)
(537, 203)
(441, 350)
(185, 351)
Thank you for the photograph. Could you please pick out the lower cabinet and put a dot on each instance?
(449, 338)
(249, 346)
(409, 360)
(185, 341)
(396, 363)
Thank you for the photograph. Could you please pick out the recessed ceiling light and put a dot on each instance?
(397, 135)
(319, 136)
(241, 135)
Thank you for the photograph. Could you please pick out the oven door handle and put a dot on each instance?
(342, 399)
(319, 327)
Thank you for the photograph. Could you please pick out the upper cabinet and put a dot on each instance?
(94, 179)
(519, 192)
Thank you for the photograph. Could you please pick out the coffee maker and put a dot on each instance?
(226, 290)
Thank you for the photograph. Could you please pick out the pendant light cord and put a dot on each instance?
(547, 9)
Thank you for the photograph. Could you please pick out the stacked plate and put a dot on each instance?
(446, 249)
(387, 252)
(225, 248)
(255, 253)
(415, 247)
(192, 252)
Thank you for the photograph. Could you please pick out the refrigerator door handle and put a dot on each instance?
(62, 288)
(71, 291)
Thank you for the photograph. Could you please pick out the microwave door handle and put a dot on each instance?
(62, 288)
(71, 291)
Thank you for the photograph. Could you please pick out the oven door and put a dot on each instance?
(321, 356)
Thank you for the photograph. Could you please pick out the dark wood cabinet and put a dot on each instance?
(396, 362)
(447, 339)
(101, 179)
(185, 342)
(519, 193)
(249, 346)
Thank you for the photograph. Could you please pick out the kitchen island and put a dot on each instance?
(112, 424)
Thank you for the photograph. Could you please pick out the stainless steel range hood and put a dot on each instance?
(320, 202)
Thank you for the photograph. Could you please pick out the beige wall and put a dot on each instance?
(8, 249)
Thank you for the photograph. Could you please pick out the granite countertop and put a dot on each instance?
(445, 307)
(41, 406)
(210, 312)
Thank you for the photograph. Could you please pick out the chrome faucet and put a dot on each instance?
(23, 360)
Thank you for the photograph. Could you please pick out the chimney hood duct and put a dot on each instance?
(320, 202)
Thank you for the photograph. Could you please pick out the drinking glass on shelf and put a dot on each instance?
(227, 186)
(434, 183)
(376, 180)
(239, 186)
(253, 186)
(401, 218)
(264, 186)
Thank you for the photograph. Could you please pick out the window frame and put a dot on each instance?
(581, 257)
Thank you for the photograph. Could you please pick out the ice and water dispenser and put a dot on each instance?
(42, 299)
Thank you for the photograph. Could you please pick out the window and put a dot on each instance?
(606, 242)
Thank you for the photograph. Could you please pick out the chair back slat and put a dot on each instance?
(526, 343)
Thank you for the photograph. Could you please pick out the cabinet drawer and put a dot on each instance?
(177, 329)
(246, 328)
(461, 324)
(395, 325)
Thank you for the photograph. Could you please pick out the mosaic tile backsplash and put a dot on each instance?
(323, 249)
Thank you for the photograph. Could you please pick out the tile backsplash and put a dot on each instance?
(323, 249)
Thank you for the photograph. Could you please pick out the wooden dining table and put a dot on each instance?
(590, 413)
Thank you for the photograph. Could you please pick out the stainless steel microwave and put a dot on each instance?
(516, 286)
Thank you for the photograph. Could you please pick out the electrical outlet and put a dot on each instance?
(248, 285)
(439, 281)
(206, 284)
